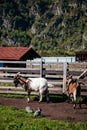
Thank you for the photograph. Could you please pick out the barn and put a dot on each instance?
(81, 56)
(17, 54)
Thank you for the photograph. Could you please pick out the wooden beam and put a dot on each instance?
(64, 76)
(83, 74)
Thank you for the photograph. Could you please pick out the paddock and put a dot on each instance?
(55, 73)
(59, 110)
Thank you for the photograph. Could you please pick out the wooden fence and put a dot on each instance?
(55, 73)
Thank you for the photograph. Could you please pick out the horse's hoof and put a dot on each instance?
(40, 101)
(48, 101)
(74, 106)
(28, 99)
(80, 106)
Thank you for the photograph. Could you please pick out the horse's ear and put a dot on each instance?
(69, 77)
(18, 73)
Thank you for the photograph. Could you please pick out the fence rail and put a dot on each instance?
(55, 73)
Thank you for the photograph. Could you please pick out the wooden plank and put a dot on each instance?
(17, 69)
(30, 75)
(11, 87)
(6, 81)
(53, 76)
(14, 90)
(21, 88)
(64, 77)
(41, 68)
(11, 81)
(15, 62)
(12, 75)
(83, 74)
(18, 92)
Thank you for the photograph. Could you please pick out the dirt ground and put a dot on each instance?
(51, 110)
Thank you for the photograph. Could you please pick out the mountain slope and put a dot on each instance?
(52, 27)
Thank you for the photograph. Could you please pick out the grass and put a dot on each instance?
(53, 97)
(6, 84)
(12, 95)
(12, 118)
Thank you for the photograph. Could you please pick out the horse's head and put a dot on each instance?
(19, 79)
(69, 79)
(16, 79)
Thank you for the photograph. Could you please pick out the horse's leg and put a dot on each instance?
(80, 102)
(74, 99)
(79, 95)
(80, 105)
(28, 99)
(47, 96)
(41, 92)
(41, 97)
(69, 98)
(44, 92)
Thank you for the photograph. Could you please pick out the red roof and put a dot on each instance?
(14, 53)
(81, 52)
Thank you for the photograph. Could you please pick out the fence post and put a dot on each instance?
(64, 76)
(42, 68)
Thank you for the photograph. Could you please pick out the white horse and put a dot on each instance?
(33, 84)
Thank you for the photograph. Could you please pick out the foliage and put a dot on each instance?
(53, 27)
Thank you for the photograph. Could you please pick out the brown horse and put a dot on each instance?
(33, 84)
(74, 89)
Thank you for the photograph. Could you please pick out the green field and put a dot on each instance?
(12, 118)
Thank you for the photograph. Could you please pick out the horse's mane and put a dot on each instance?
(25, 83)
(72, 81)
(22, 77)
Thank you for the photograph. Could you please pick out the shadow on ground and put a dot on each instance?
(55, 98)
